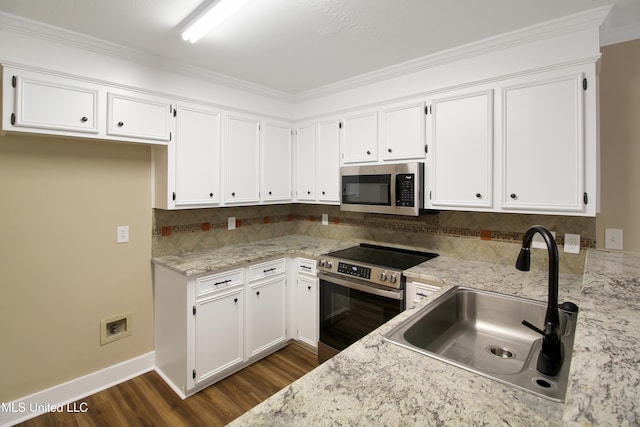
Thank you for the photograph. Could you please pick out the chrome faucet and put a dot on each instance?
(552, 353)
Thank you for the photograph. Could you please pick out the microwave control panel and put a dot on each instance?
(405, 189)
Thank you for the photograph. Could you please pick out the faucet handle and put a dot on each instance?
(533, 327)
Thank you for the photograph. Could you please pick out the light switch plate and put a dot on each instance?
(123, 234)
(232, 223)
(538, 241)
(571, 243)
(613, 238)
(325, 219)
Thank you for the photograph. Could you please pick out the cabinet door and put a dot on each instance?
(242, 159)
(267, 315)
(197, 157)
(219, 334)
(307, 310)
(543, 145)
(402, 131)
(138, 118)
(360, 137)
(55, 105)
(276, 163)
(462, 150)
(306, 163)
(328, 161)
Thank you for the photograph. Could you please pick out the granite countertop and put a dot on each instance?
(374, 382)
(202, 262)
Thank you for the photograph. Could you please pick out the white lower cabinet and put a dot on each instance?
(306, 302)
(218, 334)
(210, 326)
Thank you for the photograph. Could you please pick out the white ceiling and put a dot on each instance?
(295, 46)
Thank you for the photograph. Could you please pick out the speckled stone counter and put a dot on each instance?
(374, 382)
(195, 263)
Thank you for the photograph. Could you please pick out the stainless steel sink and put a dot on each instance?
(482, 331)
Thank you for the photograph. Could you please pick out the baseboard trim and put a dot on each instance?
(62, 396)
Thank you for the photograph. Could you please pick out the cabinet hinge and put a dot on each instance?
(426, 109)
(173, 197)
(193, 374)
(429, 194)
(584, 83)
(13, 119)
(340, 125)
(426, 148)
(193, 310)
(170, 136)
(175, 112)
(585, 198)
(14, 81)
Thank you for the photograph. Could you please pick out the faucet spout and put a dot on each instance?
(551, 355)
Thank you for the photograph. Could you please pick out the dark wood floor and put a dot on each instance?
(148, 401)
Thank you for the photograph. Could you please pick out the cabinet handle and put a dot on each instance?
(479, 196)
(120, 124)
(268, 270)
(84, 119)
(513, 196)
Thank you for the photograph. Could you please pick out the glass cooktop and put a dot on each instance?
(396, 258)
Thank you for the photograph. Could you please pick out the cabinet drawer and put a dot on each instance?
(208, 284)
(266, 269)
(307, 266)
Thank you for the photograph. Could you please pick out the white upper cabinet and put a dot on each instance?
(54, 104)
(197, 156)
(402, 131)
(328, 161)
(360, 137)
(138, 117)
(306, 163)
(241, 159)
(276, 162)
(543, 144)
(461, 147)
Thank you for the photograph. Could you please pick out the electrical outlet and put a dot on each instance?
(232, 223)
(123, 234)
(114, 328)
(571, 243)
(325, 219)
(613, 238)
(538, 241)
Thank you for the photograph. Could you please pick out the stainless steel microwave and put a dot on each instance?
(389, 189)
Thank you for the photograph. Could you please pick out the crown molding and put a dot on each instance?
(567, 24)
(17, 24)
(570, 23)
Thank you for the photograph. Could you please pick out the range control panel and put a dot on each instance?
(370, 273)
(354, 270)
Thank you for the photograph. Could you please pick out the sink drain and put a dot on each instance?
(501, 352)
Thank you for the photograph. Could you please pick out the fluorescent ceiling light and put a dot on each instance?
(211, 17)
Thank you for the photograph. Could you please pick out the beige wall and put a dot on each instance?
(620, 143)
(61, 270)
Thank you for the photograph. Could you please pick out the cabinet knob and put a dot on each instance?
(323, 193)
(479, 196)
(84, 119)
(120, 124)
(309, 287)
(368, 152)
(389, 150)
(513, 196)
(308, 192)
(235, 300)
(210, 194)
(233, 194)
(258, 293)
(269, 192)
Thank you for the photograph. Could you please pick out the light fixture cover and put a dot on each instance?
(211, 17)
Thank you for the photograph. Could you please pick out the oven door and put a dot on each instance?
(350, 309)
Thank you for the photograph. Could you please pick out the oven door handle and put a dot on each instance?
(398, 295)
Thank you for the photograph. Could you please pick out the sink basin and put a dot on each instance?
(482, 331)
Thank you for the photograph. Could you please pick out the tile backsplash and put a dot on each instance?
(480, 236)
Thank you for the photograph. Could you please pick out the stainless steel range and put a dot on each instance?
(361, 288)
